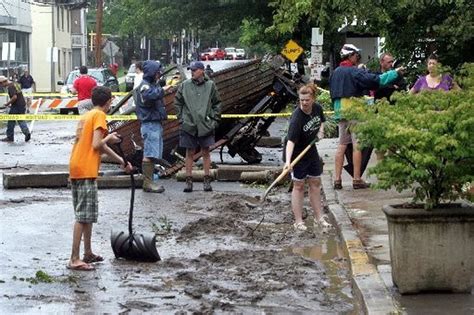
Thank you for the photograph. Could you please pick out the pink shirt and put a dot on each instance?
(446, 84)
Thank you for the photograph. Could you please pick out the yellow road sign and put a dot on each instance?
(292, 50)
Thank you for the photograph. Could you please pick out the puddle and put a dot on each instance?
(331, 254)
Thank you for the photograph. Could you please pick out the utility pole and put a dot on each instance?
(98, 33)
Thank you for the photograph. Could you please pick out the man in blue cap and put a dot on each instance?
(198, 107)
(150, 108)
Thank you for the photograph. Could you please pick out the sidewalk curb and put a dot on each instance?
(369, 288)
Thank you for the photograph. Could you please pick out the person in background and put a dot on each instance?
(91, 140)
(209, 70)
(434, 80)
(138, 74)
(346, 82)
(82, 86)
(17, 105)
(27, 84)
(114, 68)
(198, 107)
(386, 64)
(151, 111)
(175, 79)
(306, 123)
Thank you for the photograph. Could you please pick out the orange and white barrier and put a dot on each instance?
(57, 103)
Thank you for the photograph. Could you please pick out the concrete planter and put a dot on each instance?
(432, 250)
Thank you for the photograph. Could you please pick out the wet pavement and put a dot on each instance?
(364, 210)
(214, 259)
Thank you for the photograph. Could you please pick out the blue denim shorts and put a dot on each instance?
(152, 134)
(189, 141)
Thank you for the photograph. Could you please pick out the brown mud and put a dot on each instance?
(214, 261)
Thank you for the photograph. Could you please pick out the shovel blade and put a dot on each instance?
(137, 247)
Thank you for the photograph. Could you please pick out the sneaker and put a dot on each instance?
(338, 184)
(360, 184)
(300, 226)
(6, 139)
(27, 137)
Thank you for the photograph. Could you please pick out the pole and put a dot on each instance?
(149, 48)
(98, 32)
(53, 43)
(8, 61)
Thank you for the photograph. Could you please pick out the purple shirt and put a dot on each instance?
(446, 84)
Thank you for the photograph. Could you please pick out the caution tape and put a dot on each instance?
(6, 117)
(62, 95)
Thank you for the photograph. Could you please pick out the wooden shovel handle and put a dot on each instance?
(286, 171)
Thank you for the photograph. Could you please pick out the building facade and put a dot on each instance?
(15, 37)
(58, 42)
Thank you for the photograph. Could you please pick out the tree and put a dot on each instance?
(413, 29)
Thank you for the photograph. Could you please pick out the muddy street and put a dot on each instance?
(222, 252)
(212, 258)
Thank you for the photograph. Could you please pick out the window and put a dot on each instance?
(68, 15)
(62, 19)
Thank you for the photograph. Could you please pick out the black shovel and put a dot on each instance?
(133, 246)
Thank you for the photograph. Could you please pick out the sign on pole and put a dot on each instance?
(316, 64)
(292, 50)
(8, 51)
(54, 52)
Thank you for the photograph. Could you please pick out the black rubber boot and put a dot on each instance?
(207, 183)
(189, 185)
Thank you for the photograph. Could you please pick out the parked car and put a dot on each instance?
(231, 53)
(130, 78)
(213, 54)
(104, 77)
(240, 53)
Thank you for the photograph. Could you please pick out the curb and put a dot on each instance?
(369, 288)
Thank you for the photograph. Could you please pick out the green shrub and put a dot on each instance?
(428, 138)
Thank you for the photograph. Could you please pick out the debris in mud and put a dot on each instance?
(163, 226)
(40, 276)
(43, 277)
(138, 305)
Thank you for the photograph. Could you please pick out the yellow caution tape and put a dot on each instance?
(63, 95)
(6, 117)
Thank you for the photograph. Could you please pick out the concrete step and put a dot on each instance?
(106, 179)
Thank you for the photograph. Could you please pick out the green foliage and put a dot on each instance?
(465, 78)
(428, 140)
(412, 29)
(40, 277)
(163, 227)
(330, 126)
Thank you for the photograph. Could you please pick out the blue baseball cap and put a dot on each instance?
(196, 65)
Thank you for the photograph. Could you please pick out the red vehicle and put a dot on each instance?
(213, 54)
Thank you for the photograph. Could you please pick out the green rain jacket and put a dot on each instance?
(198, 107)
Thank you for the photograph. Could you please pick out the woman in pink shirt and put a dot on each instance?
(434, 80)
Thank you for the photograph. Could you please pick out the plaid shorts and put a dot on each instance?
(85, 200)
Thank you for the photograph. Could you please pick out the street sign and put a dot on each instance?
(8, 51)
(52, 54)
(111, 49)
(292, 50)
